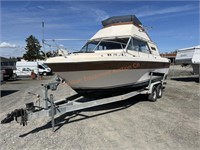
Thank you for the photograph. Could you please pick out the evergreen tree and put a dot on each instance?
(33, 51)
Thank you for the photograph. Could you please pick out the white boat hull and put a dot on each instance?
(108, 76)
(106, 79)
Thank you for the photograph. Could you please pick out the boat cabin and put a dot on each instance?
(121, 33)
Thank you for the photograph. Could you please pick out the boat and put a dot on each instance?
(119, 58)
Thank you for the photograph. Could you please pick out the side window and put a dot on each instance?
(138, 45)
(143, 48)
(40, 67)
(25, 69)
(133, 45)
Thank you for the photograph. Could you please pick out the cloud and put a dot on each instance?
(176, 9)
(7, 45)
(150, 10)
(100, 14)
(73, 8)
(97, 13)
(40, 7)
(9, 52)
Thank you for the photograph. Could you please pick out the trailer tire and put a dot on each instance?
(159, 89)
(14, 76)
(153, 95)
(5, 78)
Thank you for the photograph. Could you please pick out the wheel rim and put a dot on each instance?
(154, 94)
(160, 92)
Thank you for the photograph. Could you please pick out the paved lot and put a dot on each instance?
(170, 123)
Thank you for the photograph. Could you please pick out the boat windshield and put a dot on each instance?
(105, 44)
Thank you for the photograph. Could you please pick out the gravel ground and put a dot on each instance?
(170, 123)
(177, 70)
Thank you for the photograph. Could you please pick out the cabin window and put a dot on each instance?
(105, 44)
(138, 45)
(153, 48)
(26, 69)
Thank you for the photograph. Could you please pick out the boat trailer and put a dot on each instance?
(49, 108)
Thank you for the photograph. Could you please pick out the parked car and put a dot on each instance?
(7, 68)
(7, 73)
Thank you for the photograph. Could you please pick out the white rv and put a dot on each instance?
(190, 56)
(25, 68)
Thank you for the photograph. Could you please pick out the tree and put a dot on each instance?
(33, 51)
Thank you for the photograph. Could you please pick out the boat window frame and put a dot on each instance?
(140, 40)
(128, 43)
(90, 51)
(108, 40)
(117, 43)
(96, 45)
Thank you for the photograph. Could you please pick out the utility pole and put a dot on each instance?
(43, 40)
(199, 73)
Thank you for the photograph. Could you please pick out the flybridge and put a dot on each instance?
(121, 19)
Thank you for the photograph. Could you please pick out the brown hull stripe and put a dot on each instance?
(105, 65)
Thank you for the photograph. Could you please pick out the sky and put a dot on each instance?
(171, 24)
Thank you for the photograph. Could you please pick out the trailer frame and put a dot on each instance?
(50, 107)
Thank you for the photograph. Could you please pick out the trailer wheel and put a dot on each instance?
(5, 78)
(14, 76)
(153, 95)
(159, 89)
